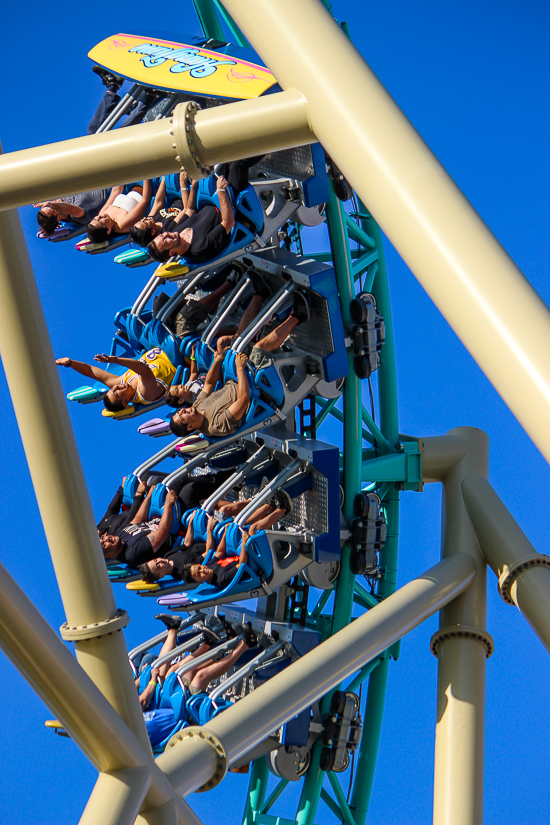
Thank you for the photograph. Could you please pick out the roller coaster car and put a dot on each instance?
(246, 235)
(313, 357)
(311, 537)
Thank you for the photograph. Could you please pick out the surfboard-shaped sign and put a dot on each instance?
(177, 67)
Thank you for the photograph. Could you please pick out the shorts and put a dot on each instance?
(189, 318)
(192, 690)
(261, 358)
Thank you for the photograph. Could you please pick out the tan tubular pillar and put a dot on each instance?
(523, 574)
(33, 647)
(116, 798)
(461, 646)
(439, 454)
(475, 284)
(58, 480)
(249, 721)
(193, 138)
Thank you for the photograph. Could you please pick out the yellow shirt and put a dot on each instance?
(162, 368)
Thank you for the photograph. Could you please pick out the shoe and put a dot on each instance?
(108, 78)
(300, 308)
(249, 637)
(283, 501)
(261, 287)
(229, 630)
(210, 637)
(171, 622)
(237, 270)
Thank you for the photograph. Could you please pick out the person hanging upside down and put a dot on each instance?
(220, 571)
(142, 538)
(168, 206)
(160, 722)
(145, 380)
(221, 412)
(202, 235)
(125, 205)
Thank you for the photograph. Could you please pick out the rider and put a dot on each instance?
(145, 381)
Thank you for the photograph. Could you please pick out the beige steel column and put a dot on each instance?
(58, 480)
(116, 798)
(34, 648)
(461, 646)
(476, 285)
(523, 574)
(196, 139)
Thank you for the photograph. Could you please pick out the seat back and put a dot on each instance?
(156, 508)
(259, 553)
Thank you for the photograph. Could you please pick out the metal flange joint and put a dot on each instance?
(185, 140)
(510, 574)
(195, 732)
(460, 631)
(85, 632)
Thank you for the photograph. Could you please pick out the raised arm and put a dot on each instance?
(165, 523)
(210, 542)
(228, 216)
(213, 374)
(239, 407)
(141, 514)
(147, 695)
(139, 210)
(63, 208)
(116, 190)
(184, 179)
(194, 370)
(159, 198)
(89, 371)
(191, 207)
(189, 539)
(139, 367)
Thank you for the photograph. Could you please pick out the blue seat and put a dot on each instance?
(156, 334)
(156, 508)
(267, 380)
(204, 356)
(135, 329)
(259, 552)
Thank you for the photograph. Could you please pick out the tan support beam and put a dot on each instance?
(58, 479)
(461, 645)
(439, 454)
(33, 647)
(116, 797)
(461, 265)
(523, 574)
(243, 129)
(188, 763)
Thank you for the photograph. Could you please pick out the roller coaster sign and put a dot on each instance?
(173, 67)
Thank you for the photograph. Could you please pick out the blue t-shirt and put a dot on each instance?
(160, 724)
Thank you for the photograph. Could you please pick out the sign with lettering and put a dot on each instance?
(176, 67)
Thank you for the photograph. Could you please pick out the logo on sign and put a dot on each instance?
(185, 60)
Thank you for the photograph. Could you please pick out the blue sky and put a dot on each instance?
(473, 79)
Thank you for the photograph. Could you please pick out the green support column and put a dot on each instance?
(256, 790)
(353, 406)
(387, 387)
(209, 20)
(309, 798)
(343, 602)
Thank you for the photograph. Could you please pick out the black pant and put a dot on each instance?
(197, 489)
